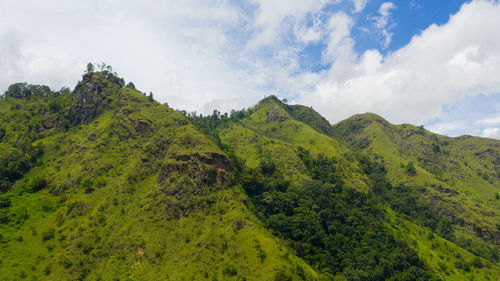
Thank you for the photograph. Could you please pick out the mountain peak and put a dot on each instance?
(270, 99)
(369, 117)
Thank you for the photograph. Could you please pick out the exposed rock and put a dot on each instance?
(274, 115)
(211, 169)
(60, 189)
(407, 134)
(142, 125)
(92, 97)
(444, 189)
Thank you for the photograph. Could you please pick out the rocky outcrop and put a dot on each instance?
(274, 115)
(142, 125)
(210, 169)
(92, 96)
(189, 181)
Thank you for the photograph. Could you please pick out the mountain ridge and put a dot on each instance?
(103, 182)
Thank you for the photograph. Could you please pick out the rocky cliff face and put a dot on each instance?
(92, 97)
(211, 169)
(274, 115)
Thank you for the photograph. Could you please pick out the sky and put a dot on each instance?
(428, 62)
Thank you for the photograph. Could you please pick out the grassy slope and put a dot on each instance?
(289, 134)
(441, 255)
(447, 177)
(128, 227)
(252, 147)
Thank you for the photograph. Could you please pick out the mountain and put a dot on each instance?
(104, 183)
(439, 194)
(457, 178)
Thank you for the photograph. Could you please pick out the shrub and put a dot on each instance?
(4, 217)
(282, 275)
(49, 234)
(476, 262)
(410, 169)
(230, 270)
(4, 202)
(38, 184)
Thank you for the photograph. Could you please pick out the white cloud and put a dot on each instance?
(221, 54)
(183, 51)
(443, 65)
(493, 133)
(490, 121)
(339, 44)
(359, 5)
(309, 34)
(193, 54)
(274, 17)
(444, 127)
(384, 12)
(382, 21)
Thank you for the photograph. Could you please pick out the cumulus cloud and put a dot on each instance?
(490, 121)
(182, 51)
(221, 54)
(442, 65)
(275, 16)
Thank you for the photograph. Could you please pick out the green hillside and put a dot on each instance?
(104, 183)
(283, 153)
(456, 179)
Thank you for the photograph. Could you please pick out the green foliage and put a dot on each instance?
(48, 234)
(90, 68)
(4, 202)
(405, 200)
(229, 270)
(335, 228)
(38, 184)
(477, 263)
(410, 169)
(25, 90)
(16, 163)
(107, 71)
(310, 117)
(321, 167)
(131, 85)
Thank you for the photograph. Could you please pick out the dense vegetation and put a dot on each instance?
(337, 229)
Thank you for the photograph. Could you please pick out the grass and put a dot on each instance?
(297, 134)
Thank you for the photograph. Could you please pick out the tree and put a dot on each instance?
(130, 85)
(90, 68)
(18, 90)
(103, 66)
(150, 97)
